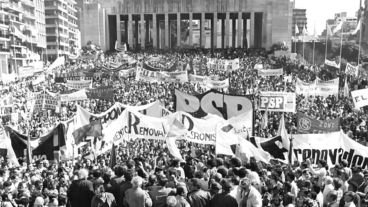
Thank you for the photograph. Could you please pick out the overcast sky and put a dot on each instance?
(318, 11)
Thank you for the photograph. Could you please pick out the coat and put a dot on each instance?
(80, 193)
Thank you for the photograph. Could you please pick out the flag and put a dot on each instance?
(225, 138)
(60, 61)
(113, 156)
(296, 30)
(351, 69)
(357, 28)
(338, 27)
(247, 150)
(285, 138)
(93, 129)
(264, 123)
(173, 149)
(329, 30)
(118, 46)
(6, 149)
(346, 87)
(305, 32)
(177, 129)
(47, 146)
(332, 64)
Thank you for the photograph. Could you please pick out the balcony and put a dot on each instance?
(28, 3)
(14, 7)
(29, 15)
(4, 50)
(4, 37)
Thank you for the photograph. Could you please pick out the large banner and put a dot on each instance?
(212, 102)
(26, 71)
(104, 92)
(147, 75)
(271, 72)
(156, 76)
(76, 96)
(215, 84)
(278, 101)
(332, 147)
(46, 100)
(224, 65)
(198, 78)
(181, 76)
(318, 87)
(360, 98)
(79, 84)
(308, 125)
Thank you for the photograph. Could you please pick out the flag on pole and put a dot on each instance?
(296, 30)
(305, 31)
(113, 156)
(60, 61)
(357, 28)
(338, 27)
(264, 123)
(329, 30)
(346, 87)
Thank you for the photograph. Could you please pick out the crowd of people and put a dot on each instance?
(144, 174)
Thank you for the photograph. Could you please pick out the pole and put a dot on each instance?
(326, 41)
(314, 46)
(303, 46)
(29, 152)
(360, 40)
(342, 31)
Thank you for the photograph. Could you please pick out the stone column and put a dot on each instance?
(240, 29)
(251, 36)
(214, 29)
(203, 32)
(147, 31)
(178, 30)
(167, 45)
(154, 30)
(130, 30)
(143, 33)
(222, 33)
(190, 29)
(118, 29)
(136, 33)
(227, 28)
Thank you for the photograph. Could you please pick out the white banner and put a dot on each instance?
(181, 76)
(26, 71)
(318, 87)
(40, 79)
(198, 78)
(360, 98)
(147, 75)
(351, 70)
(271, 72)
(225, 65)
(79, 84)
(76, 96)
(333, 148)
(213, 84)
(332, 64)
(277, 101)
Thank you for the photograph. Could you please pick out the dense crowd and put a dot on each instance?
(144, 173)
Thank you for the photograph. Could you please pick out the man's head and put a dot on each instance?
(245, 184)
(83, 174)
(137, 182)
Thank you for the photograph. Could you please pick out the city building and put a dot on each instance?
(160, 24)
(63, 36)
(22, 31)
(365, 24)
(299, 20)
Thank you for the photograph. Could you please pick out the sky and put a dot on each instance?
(318, 11)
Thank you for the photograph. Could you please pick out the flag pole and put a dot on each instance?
(342, 31)
(360, 41)
(326, 41)
(29, 152)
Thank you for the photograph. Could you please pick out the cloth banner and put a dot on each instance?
(308, 125)
(46, 100)
(198, 79)
(271, 72)
(332, 64)
(224, 65)
(26, 71)
(104, 92)
(40, 79)
(360, 98)
(277, 101)
(227, 106)
(318, 87)
(60, 61)
(127, 72)
(76, 96)
(351, 70)
(333, 147)
(147, 75)
(42, 148)
(75, 75)
(215, 84)
(80, 84)
(7, 78)
(181, 76)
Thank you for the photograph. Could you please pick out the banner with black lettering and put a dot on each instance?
(333, 147)
(46, 100)
(308, 125)
(212, 102)
(104, 92)
(147, 75)
(44, 147)
(318, 87)
(277, 101)
(271, 72)
(351, 70)
(75, 75)
(360, 98)
(198, 78)
(222, 64)
(79, 84)
(216, 84)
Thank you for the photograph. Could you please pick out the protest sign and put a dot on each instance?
(277, 101)
(46, 100)
(271, 72)
(215, 84)
(104, 92)
(351, 70)
(79, 84)
(360, 98)
(76, 96)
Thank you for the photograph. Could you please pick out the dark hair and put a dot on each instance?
(235, 161)
(199, 174)
(242, 172)
(119, 170)
(180, 190)
(195, 182)
(288, 199)
(316, 189)
(337, 183)
(291, 176)
(96, 173)
(128, 175)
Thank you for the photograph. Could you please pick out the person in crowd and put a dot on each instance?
(81, 191)
(250, 197)
(136, 196)
(101, 197)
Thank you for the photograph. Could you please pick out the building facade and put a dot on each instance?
(299, 20)
(365, 24)
(62, 32)
(160, 24)
(22, 27)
